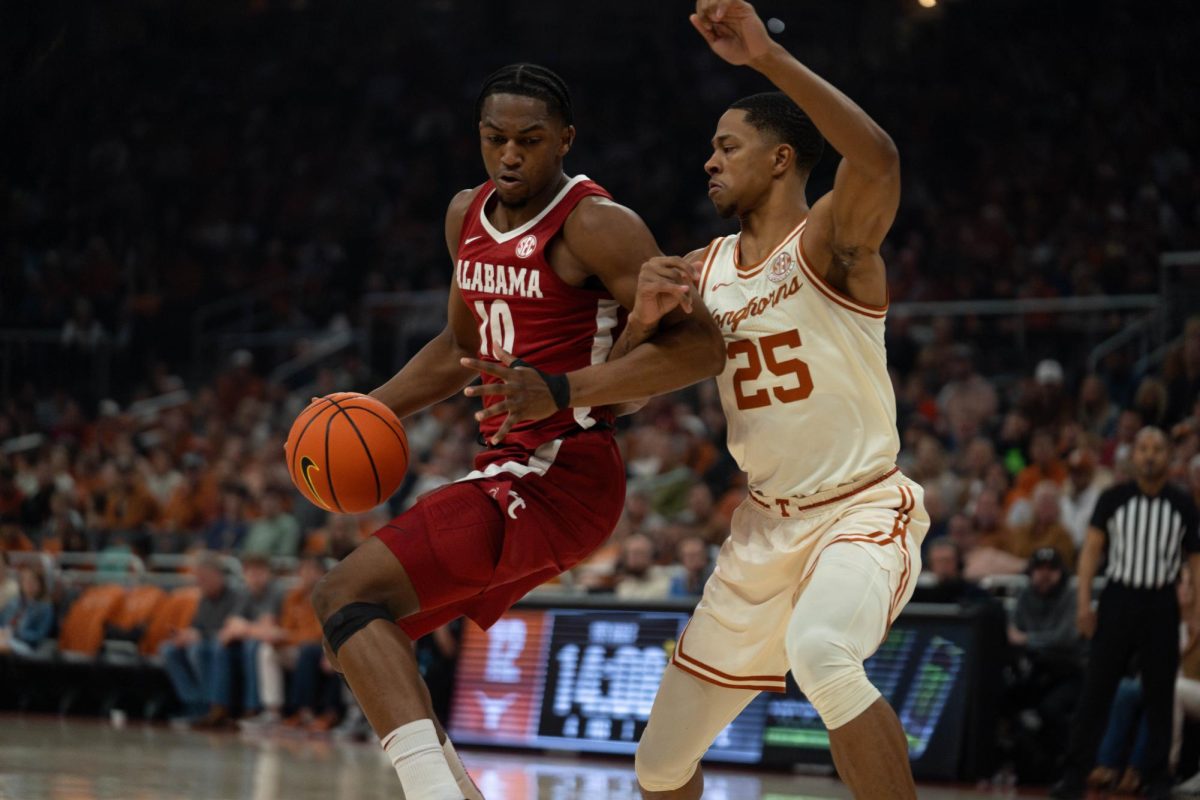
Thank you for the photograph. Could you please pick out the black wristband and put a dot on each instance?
(557, 383)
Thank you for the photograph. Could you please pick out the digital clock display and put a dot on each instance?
(585, 680)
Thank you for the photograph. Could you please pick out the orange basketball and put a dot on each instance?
(347, 452)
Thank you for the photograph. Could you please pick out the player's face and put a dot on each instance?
(523, 145)
(740, 168)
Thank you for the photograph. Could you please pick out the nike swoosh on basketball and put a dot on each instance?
(473, 238)
(720, 285)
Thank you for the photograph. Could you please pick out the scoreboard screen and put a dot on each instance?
(584, 679)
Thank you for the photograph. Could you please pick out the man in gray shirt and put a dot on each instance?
(239, 637)
(192, 656)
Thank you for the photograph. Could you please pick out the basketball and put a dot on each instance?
(347, 452)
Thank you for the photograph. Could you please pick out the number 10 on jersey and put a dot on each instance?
(497, 331)
(768, 345)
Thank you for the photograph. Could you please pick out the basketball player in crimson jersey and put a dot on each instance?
(544, 268)
(824, 551)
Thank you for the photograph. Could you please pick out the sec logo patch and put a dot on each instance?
(526, 246)
(780, 267)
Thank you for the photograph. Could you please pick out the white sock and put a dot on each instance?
(465, 784)
(416, 753)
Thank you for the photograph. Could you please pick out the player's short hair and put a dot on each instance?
(528, 80)
(778, 114)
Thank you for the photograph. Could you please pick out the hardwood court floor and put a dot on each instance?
(44, 758)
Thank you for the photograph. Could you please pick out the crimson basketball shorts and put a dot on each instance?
(477, 546)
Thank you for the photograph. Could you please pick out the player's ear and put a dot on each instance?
(783, 159)
(568, 139)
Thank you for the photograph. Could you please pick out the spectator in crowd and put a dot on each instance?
(1085, 482)
(638, 577)
(226, 533)
(192, 503)
(991, 544)
(129, 507)
(931, 470)
(1046, 528)
(1048, 405)
(968, 400)
(252, 620)
(945, 564)
(695, 566)
(1048, 669)
(294, 644)
(10, 588)
(12, 500)
(1182, 373)
(276, 532)
(1045, 465)
(193, 656)
(1097, 412)
(28, 619)
(160, 476)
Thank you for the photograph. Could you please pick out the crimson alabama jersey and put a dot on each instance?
(522, 306)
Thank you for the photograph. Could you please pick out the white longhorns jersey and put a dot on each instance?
(806, 390)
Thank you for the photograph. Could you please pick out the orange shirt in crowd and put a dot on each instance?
(1031, 476)
(298, 619)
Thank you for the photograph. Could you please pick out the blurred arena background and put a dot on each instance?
(211, 212)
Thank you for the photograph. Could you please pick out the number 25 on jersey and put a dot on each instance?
(792, 368)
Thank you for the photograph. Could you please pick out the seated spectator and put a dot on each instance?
(192, 656)
(988, 519)
(638, 577)
(1182, 372)
(252, 620)
(27, 620)
(1045, 465)
(276, 532)
(1048, 672)
(226, 533)
(194, 501)
(12, 500)
(129, 506)
(696, 567)
(1046, 529)
(1097, 412)
(64, 530)
(930, 469)
(1084, 484)
(945, 563)
(10, 588)
(1048, 404)
(13, 539)
(294, 644)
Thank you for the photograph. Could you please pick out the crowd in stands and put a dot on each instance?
(311, 173)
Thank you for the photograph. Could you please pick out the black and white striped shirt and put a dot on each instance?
(1147, 536)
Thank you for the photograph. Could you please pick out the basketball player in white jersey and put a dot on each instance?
(825, 550)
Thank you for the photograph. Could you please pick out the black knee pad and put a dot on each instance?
(349, 620)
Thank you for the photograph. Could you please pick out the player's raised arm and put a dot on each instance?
(846, 227)
(435, 372)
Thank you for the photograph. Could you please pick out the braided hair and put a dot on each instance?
(777, 113)
(528, 80)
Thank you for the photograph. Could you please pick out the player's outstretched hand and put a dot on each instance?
(526, 395)
(732, 29)
(664, 284)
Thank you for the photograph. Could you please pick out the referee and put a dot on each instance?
(1145, 527)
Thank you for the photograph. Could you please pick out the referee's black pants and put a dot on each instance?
(1129, 621)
